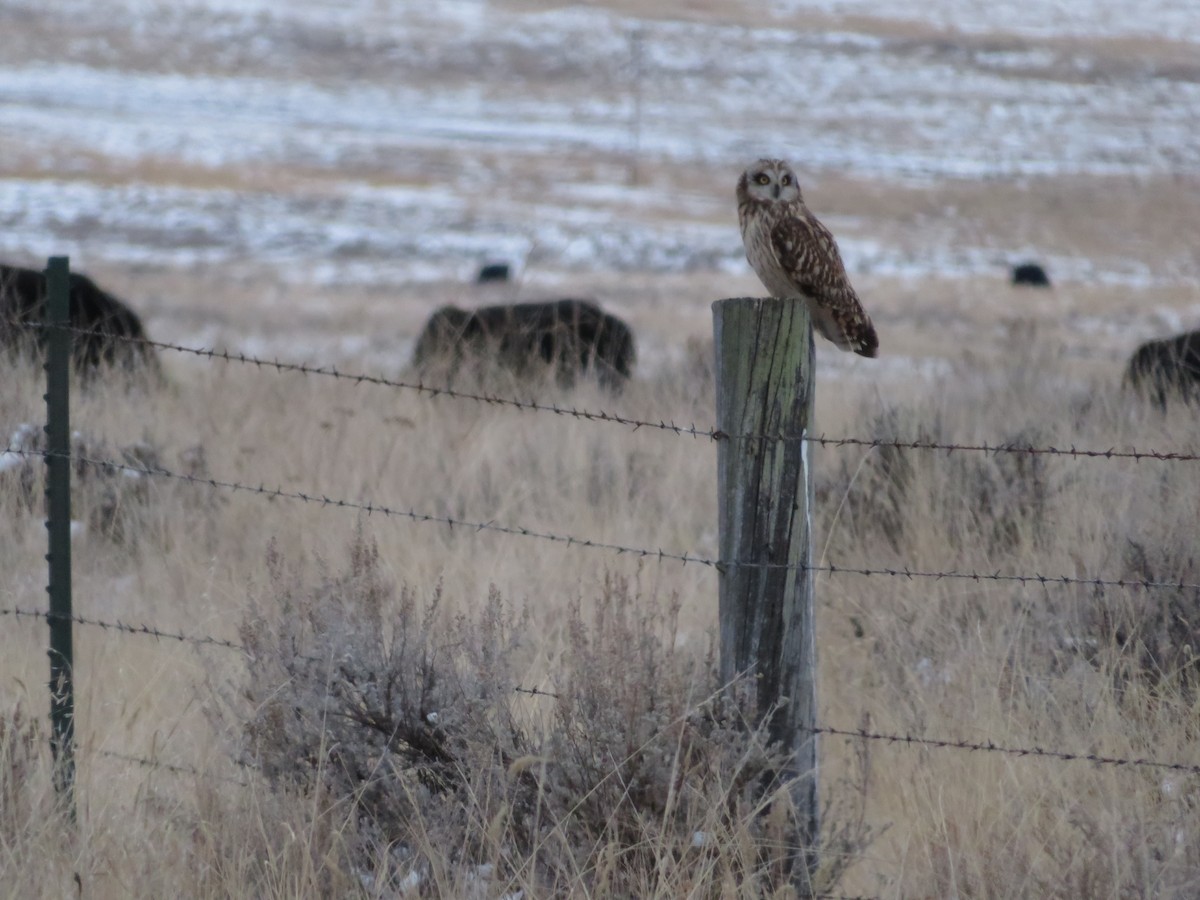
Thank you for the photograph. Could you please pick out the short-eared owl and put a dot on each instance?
(795, 256)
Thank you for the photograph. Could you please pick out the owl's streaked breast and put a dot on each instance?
(757, 221)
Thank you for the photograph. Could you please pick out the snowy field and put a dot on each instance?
(389, 145)
(308, 180)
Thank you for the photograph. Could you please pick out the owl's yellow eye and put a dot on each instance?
(762, 178)
(785, 180)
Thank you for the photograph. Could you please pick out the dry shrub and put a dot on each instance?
(633, 776)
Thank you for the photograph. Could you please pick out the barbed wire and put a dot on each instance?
(173, 768)
(418, 386)
(537, 692)
(1033, 578)
(990, 747)
(660, 555)
(867, 734)
(980, 746)
(124, 627)
(1028, 449)
(691, 430)
(856, 733)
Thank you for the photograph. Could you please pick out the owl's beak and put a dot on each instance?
(775, 191)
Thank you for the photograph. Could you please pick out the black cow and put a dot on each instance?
(493, 272)
(1170, 366)
(571, 336)
(101, 319)
(1030, 274)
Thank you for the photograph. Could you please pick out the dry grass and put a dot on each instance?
(1080, 670)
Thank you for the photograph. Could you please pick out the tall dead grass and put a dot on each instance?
(626, 783)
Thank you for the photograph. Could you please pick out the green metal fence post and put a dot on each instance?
(58, 524)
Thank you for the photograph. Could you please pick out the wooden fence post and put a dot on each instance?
(58, 524)
(764, 369)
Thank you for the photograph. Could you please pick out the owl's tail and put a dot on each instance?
(866, 341)
(853, 331)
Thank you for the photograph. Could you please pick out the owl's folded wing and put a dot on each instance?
(807, 252)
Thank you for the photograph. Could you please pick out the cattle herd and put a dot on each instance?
(568, 338)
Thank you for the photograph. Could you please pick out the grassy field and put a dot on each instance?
(1080, 669)
(198, 165)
